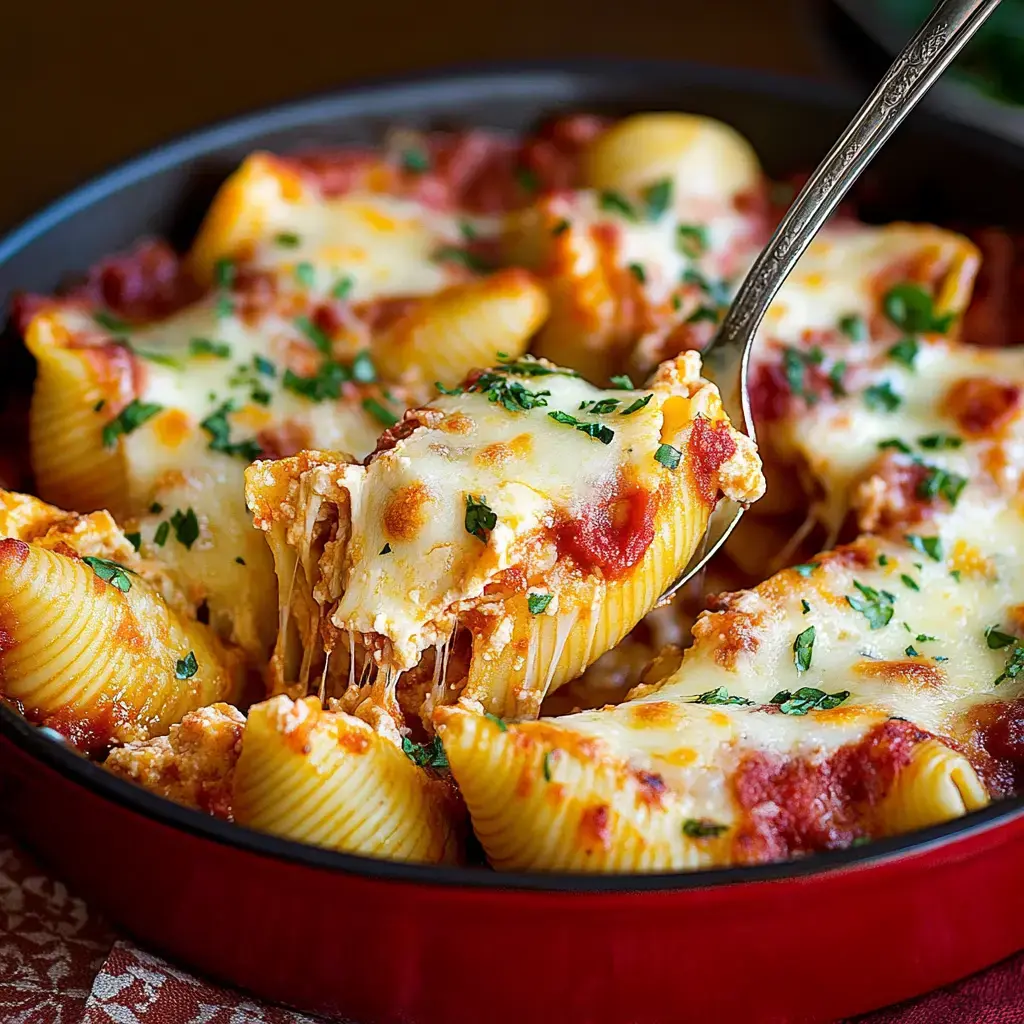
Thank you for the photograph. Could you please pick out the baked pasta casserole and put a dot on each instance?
(378, 488)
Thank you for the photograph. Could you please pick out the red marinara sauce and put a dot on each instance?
(710, 446)
(983, 406)
(801, 805)
(613, 534)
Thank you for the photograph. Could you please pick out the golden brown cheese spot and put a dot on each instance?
(129, 634)
(594, 829)
(680, 758)
(501, 452)
(917, 673)
(352, 740)
(457, 423)
(983, 407)
(172, 427)
(650, 788)
(657, 714)
(968, 560)
(730, 634)
(405, 512)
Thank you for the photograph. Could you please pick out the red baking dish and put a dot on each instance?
(828, 936)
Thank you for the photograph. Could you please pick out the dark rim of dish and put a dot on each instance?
(464, 79)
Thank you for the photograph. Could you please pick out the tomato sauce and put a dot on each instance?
(801, 805)
(709, 447)
(613, 535)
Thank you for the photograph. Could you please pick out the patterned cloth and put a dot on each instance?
(61, 964)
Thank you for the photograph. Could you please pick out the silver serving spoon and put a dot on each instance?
(727, 358)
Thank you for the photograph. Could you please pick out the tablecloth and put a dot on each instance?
(61, 963)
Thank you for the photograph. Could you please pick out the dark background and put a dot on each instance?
(83, 85)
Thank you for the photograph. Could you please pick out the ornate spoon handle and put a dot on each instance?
(912, 74)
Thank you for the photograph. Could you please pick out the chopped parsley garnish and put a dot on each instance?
(1014, 664)
(615, 202)
(560, 227)
(911, 652)
(425, 755)
(804, 605)
(363, 370)
(940, 441)
(499, 722)
(803, 646)
(208, 347)
(314, 333)
(130, 418)
(955, 573)
(795, 365)
(930, 546)
(187, 667)
(99, 405)
(997, 639)
(415, 160)
(905, 352)
(909, 581)
(386, 550)
(527, 179)
(112, 323)
(874, 605)
(881, 397)
(546, 765)
(239, 559)
(156, 508)
(939, 482)
(224, 273)
(381, 413)
(806, 568)
(657, 198)
(509, 394)
(135, 539)
(480, 519)
(287, 239)
(703, 313)
(883, 560)
(896, 444)
(343, 288)
(622, 382)
(835, 379)
(447, 391)
(636, 405)
(638, 272)
(808, 698)
(602, 406)
(305, 274)
(470, 260)
(598, 431)
(162, 533)
(912, 309)
(703, 828)
(538, 603)
(322, 386)
(924, 638)
(854, 327)
(223, 308)
(719, 695)
(668, 456)
(528, 366)
(186, 527)
(692, 240)
(717, 291)
(217, 426)
(111, 572)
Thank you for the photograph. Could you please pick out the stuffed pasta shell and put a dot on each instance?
(98, 644)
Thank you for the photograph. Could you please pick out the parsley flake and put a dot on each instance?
(187, 667)
(703, 828)
(930, 546)
(480, 519)
(637, 405)
(217, 426)
(938, 482)
(638, 272)
(912, 309)
(135, 539)
(110, 572)
(909, 582)
(208, 347)
(933, 441)
(538, 603)
(130, 418)
(854, 327)
(996, 639)
(162, 533)
(668, 456)
(415, 160)
(305, 274)
(874, 605)
(381, 413)
(657, 198)
(598, 431)
(425, 755)
(186, 527)
(499, 722)
(470, 260)
(386, 550)
(560, 227)
(896, 444)
(287, 239)
(719, 695)
(882, 398)
(806, 568)
(804, 605)
(615, 202)
(314, 333)
(911, 652)
(803, 646)
(622, 382)
(691, 240)
(904, 352)
(343, 288)
(808, 698)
